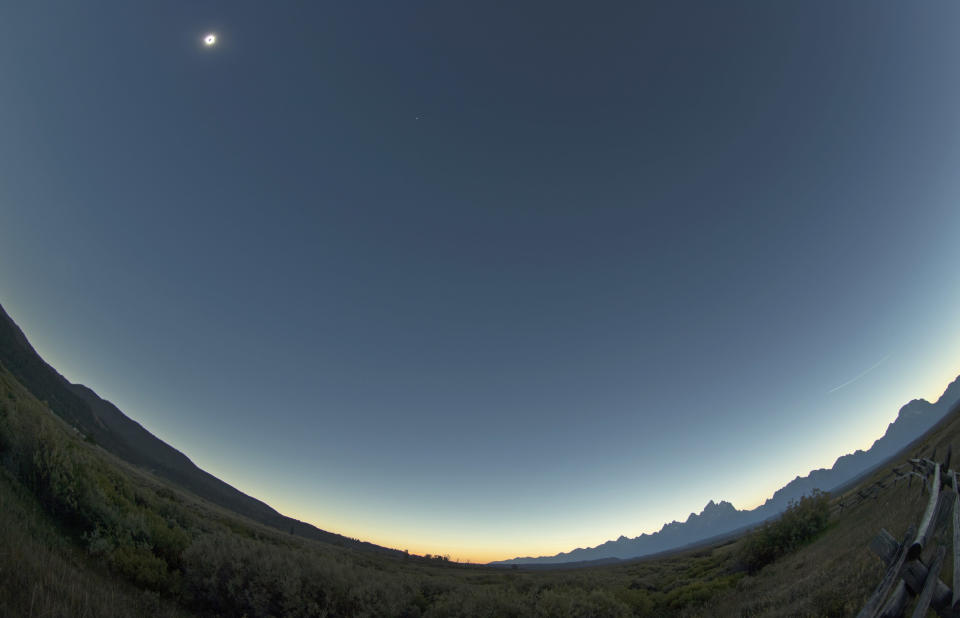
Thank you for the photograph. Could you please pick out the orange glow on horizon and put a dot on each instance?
(472, 551)
(475, 550)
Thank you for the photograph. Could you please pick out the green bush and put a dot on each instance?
(802, 520)
(199, 557)
(141, 566)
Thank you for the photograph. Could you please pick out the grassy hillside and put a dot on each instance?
(43, 574)
(104, 423)
(84, 533)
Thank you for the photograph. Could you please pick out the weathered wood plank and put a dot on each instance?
(915, 575)
(875, 602)
(923, 533)
(885, 546)
(942, 517)
(897, 603)
(930, 585)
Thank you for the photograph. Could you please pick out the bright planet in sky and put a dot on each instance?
(629, 258)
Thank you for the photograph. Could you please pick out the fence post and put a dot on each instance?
(873, 605)
(897, 602)
(925, 524)
(930, 585)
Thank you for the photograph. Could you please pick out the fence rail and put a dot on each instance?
(913, 565)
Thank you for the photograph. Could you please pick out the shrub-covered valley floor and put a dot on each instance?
(85, 534)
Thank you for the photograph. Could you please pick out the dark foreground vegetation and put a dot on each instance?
(798, 524)
(84, 534)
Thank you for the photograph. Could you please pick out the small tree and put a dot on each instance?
(802, 520)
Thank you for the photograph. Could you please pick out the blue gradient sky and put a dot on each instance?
(483, 279)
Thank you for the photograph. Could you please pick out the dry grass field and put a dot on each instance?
(84, 534)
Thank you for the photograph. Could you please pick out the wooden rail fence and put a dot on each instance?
(913, 564)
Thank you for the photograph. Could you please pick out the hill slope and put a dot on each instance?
(105, 424)
(84, 533)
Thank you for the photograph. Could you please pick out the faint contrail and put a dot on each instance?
(848, 382)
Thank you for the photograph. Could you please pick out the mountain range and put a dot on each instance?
(103, 423)
(717, 518)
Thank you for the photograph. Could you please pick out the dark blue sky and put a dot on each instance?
(488, 279)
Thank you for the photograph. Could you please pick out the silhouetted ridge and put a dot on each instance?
(127, 439)
(717, 518)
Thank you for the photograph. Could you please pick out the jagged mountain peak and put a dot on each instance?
(718, 507)
(716, 518)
